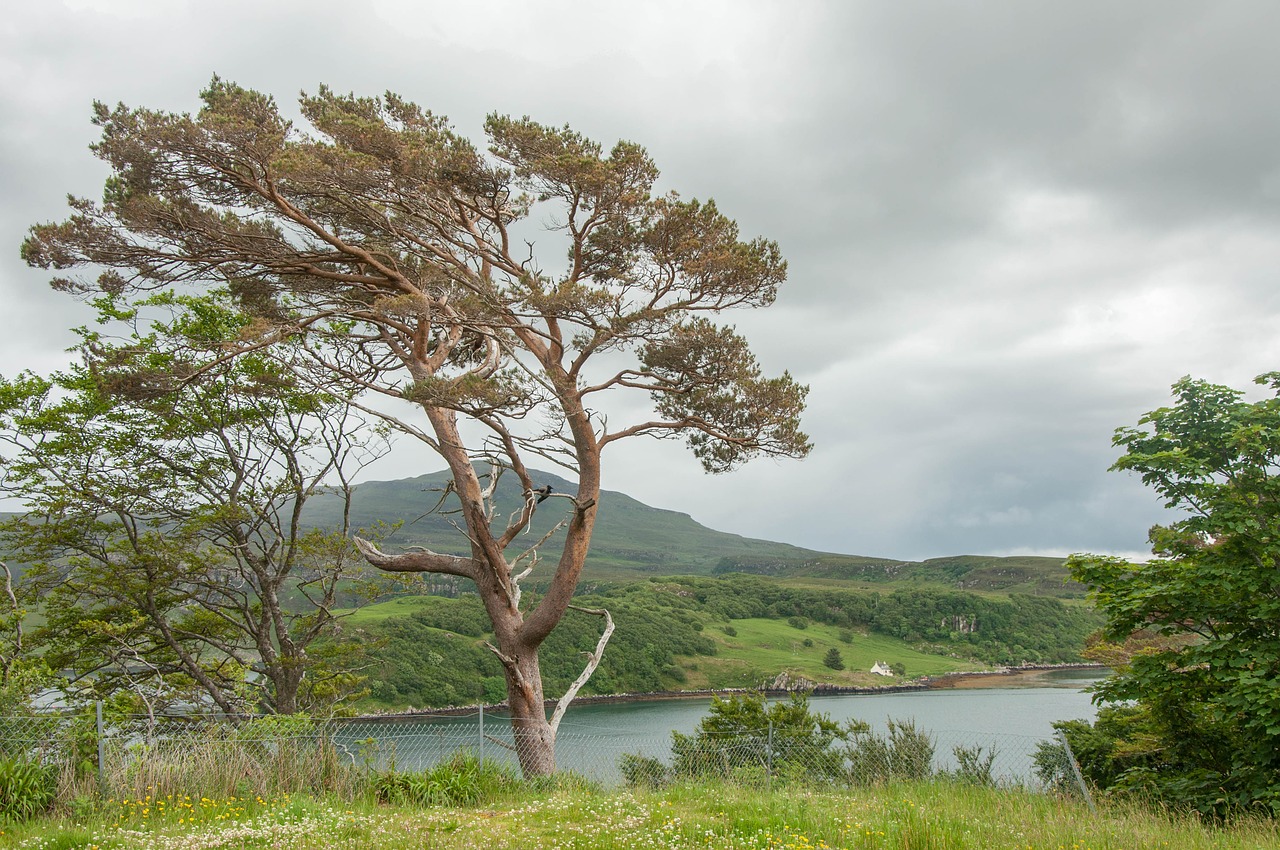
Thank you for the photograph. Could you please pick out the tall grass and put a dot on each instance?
(934, 815)
(462, 780)
(265, 757)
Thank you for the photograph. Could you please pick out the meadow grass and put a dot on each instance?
(575, 816)
(763, 645)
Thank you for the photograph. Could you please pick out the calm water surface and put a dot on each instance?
(1011, 720)
(1028, 710)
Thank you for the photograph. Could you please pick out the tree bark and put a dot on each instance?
(535, 740)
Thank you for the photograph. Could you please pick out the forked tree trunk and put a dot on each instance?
(534, 739)
(517, 634)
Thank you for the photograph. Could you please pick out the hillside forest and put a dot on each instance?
(705, 610)
(720, 632)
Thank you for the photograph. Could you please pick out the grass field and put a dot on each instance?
(765, 647)
(759, 651)
(401, 606)
(926, 816)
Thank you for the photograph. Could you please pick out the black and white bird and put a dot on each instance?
(543, 492)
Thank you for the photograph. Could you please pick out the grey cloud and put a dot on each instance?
(1009, 226)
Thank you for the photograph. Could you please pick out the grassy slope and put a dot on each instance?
(400, 607)
(634, 541)
(762, 647)
(623, 546)
(760, 650)
(938, 815)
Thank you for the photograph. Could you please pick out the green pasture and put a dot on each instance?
(766, 647)
(402, 606)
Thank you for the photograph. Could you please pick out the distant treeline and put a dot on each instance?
(997, 630)
(435, 656)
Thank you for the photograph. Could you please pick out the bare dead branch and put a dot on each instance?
(593, 661)
(416, 562)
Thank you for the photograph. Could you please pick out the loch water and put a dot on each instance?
(1011, 720)
(1025, 705)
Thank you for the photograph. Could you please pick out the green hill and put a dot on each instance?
(1035, 576)
(634, 540)
(631, 539)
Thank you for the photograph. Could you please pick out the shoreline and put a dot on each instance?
(995, 678)
(959, 680)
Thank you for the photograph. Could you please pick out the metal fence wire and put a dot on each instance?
(140, 754)
(48, 738)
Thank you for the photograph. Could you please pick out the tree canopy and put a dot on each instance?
(1206, 678)
(392, 254)
(164, 533)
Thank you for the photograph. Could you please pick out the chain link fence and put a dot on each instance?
(138, 755)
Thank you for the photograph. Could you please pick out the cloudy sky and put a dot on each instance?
(1010, 226)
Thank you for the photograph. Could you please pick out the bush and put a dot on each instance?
(730, 631)
(833, 659)
(461, 781)
(27, 788)
(643, 771)
(743, 737)
(905, 753)
(973, 767)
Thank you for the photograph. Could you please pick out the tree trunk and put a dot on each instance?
(535, 741)
(287, 679)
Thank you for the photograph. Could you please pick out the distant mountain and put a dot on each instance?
(634, 540)
(1037, 576)
(630, 537)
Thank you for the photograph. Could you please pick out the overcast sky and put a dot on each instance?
(1010, 226)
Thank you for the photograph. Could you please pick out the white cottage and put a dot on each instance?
(881, 668)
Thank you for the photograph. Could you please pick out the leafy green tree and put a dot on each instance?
(395, 255)
(164, 526)
(1120, 741)
(744, 733)
(833, 659)
(22, 674)
(1209, 691)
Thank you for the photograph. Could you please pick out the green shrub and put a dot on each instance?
(463, 780)
(974, 768)
(905, 753)
(643, 771)
(744, 738)
(27, 788)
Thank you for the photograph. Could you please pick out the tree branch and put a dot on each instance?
(416, 562)
(593, 661)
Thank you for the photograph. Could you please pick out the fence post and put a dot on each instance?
(482, 734)
(768, 775)
(1075, 770)
(102, 745)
